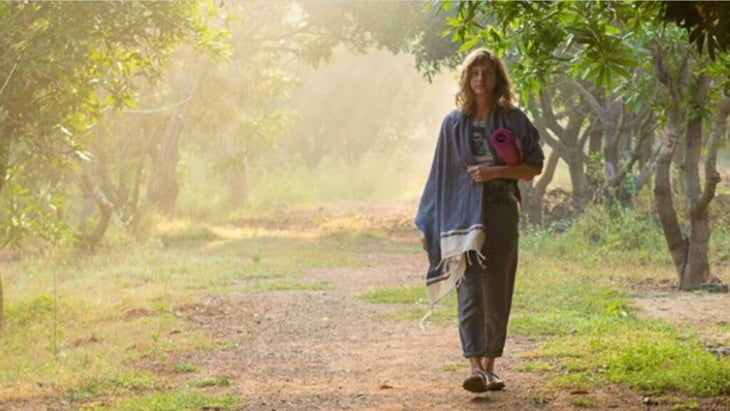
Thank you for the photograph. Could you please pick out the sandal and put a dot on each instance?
(476, 382)
(492, 382)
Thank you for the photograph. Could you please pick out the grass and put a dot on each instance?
(574, 294)
(170, 400)
(77, 325)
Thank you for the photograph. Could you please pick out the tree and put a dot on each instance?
(604, 43)
(238, 113)
(689, 81)
(63, 63)
(706, 23)
(268, 49)
(399, 27)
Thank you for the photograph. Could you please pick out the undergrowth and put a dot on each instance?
(574, 292)
(77, 325)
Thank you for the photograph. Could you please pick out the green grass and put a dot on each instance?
(170, 400)
(412, 304)
(77, 324)
(289, 285)
(396, 295)
(211, 382)
(117, 384)
(583, 402)
(574, 294)
(185, 368)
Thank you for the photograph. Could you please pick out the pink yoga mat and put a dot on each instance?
(507, 145)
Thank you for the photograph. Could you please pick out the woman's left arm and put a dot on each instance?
(483, 173)
(533, 156)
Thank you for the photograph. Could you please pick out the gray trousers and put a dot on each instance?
(485, 293)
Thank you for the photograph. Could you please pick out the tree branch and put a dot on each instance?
(106, 208)
(712, 177)
(160, 109)
(600, 111)
(7, 79)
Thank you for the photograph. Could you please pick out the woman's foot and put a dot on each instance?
(476, 382)
(492, 382)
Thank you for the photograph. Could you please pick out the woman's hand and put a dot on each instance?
(481, 173)
(423, 243)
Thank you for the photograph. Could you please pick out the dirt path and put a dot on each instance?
(329, 350)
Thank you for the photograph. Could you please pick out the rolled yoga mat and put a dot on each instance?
(507, 146)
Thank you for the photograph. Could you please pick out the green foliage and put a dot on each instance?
(705, 23)
(399, 27)
(607, 53)
(29, 213)
(589, 41)
(64, 64)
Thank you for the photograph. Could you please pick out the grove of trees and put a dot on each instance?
(614, 81)
(97, 99)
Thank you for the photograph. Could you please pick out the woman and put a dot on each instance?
(468, 212)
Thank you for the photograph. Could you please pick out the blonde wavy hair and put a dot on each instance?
(503, 97)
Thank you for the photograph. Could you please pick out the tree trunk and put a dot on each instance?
(689, 249)
(578, 179)
(569, 145)
(533, 195)
(2, 306)
(696, 269)
(237, 173)
(637, 135)
(163, 186)
(611, 139)
(106, 208)
(5, 132)
(676, 241)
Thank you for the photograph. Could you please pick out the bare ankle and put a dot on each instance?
(475, 364)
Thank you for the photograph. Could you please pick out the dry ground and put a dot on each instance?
(330, 350)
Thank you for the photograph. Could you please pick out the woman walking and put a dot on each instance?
(469, 210)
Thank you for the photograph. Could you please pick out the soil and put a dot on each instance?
(330, 350)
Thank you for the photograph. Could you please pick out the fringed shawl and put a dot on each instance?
(451, 211)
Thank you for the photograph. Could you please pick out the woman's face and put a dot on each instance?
(482, 80)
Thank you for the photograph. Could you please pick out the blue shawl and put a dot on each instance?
(451, 210)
